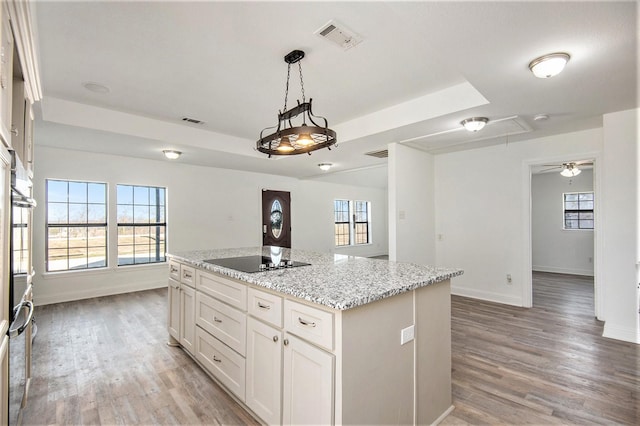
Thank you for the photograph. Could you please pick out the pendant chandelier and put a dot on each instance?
(289, 139)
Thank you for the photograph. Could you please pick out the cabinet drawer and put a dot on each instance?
(188, 275)
(225, 365)
(227, 290)
(174, 270)
(310, 323)
(227, 324)
(265, 306)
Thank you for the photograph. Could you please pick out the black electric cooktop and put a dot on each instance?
(256, 263)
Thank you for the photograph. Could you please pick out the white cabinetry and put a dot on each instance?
(187, 318)
(174, 309)
(308, 384)
(264, 370)
(292, 362)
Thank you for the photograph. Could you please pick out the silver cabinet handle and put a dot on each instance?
(275, 338)
(286, 342)
(216, 319)
(306, 323)
(187, 275)
(14, 131)
(216, 359)
(174, 269)
(261, 306)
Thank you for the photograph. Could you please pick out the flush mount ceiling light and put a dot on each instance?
(570, 170)
(549, 65)
(307, 136)
(325, 166)
(171, 154)
(474, 124)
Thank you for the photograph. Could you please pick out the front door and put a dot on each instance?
(276, 218)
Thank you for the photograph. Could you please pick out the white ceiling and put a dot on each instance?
(421, 69)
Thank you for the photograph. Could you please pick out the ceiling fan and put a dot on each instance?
(569, 169)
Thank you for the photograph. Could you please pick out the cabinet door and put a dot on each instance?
(6, 74)
(264, 371)
(174, 309)
(187, 318)
(308, 384)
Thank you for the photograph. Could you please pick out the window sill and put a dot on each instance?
(353, 245)
(103, 271)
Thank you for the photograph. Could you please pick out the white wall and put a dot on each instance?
(207, 208)
(480, 199)
(555, 249)
(620, 217)
(411, 205)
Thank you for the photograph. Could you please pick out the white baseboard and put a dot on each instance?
(486, 295)
(627, 334)
(443, 416)
(97, 292)
(555, 270)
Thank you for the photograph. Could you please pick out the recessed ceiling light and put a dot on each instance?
(171, 154)
(549, 65)
(474, 124)
(96, 87)
(325, 166)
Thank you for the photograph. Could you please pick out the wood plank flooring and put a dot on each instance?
(105, 361)
(544, 365)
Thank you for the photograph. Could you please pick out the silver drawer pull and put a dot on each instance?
(306, 323)
(216, 319)
(286, 342)
(187, 275)
(216, 359)
(174, 269)
(275, 338)
(261, 306)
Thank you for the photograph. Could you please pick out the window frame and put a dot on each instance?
(578, 211)
(353, 234)
(160, 256)
(336, 236)
(69, 225)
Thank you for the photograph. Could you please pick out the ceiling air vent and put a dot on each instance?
(192, 120)
(339, 34)
(378, 154)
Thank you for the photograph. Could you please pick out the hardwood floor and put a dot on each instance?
(105, 361)
(544, 365)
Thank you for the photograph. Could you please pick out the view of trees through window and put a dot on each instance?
(141, 224)
(341, 213)
(76, 225)
(578, 210)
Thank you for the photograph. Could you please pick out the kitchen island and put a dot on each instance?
(341, 340)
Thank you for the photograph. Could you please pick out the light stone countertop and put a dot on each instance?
(333, 280)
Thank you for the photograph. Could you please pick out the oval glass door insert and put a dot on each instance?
(276, 219)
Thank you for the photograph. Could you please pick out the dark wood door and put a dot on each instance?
(276, 218)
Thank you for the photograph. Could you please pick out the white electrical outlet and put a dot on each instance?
(406, 335)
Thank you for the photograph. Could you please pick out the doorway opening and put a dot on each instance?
(562, 221)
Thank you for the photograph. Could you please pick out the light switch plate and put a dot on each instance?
(406, 335)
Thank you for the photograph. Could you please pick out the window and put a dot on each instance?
(141, 224)
(76, 225)
(352, 220)
(578, 210)
(361, 222)
(341, 213)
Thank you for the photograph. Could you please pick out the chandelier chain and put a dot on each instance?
(301, 81)
(286, 92)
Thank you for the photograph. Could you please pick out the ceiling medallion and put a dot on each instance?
(308, 136)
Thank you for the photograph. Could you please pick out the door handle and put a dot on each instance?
(264, 229)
